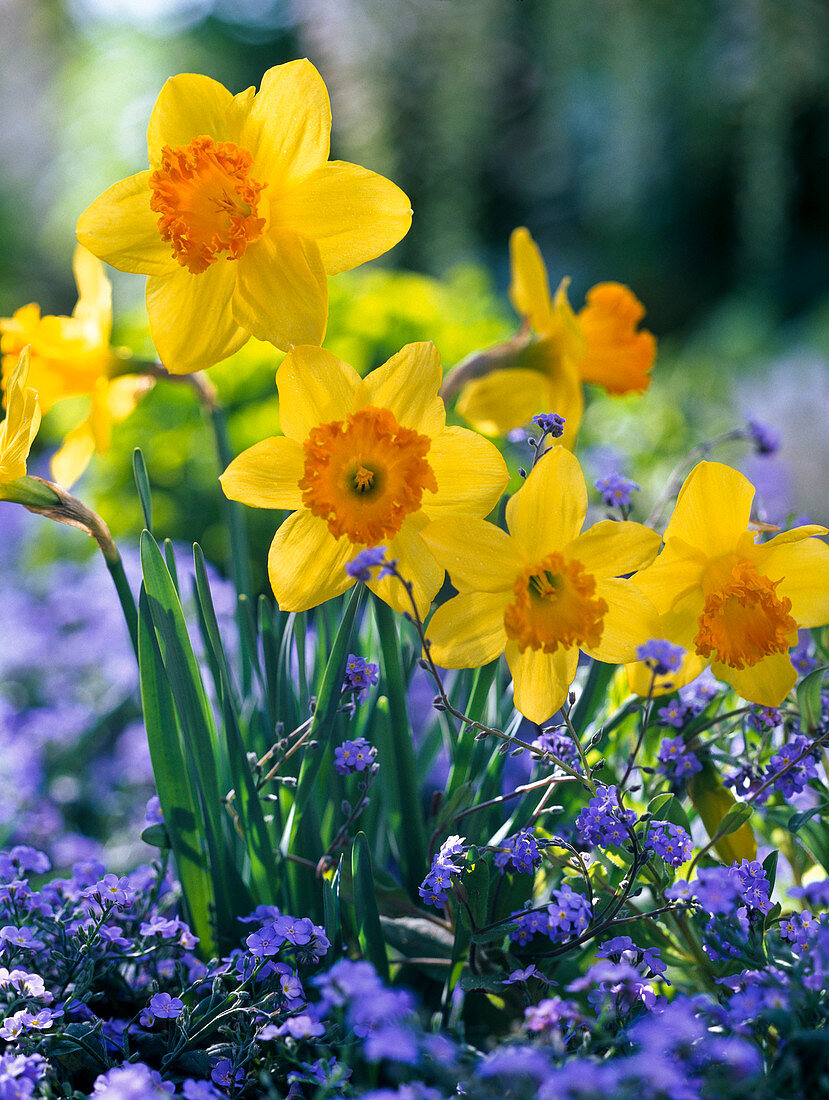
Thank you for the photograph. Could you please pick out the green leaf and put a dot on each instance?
(798, 820)
(156, 836)
(770, 867)
(736, 817)
(809, 699)
(178, 804)
(483, 983)
(667, 807)
(142, 484)
(369, 931)
(331, 905)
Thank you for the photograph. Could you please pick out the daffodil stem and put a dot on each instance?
(125, 596)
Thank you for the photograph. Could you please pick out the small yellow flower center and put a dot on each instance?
(207, 201)
(744, 620)
(555, 605)
(365, 474)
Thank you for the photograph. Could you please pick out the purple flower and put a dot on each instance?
(553, 1012)
(616, 490)
(132, 1082)
(266, 942)
(354, 756)
(766, 439)
(671, 842)
(661, 656)
(716, 889)
(199, 1090)
(224, 1075)
(360, 675)
(519, 976)
(550, 424)
(152, 813)
(673, 715)
(518, 853)
(790, 774)
(674, 761)
(802, 656)
(11, 935)
(165, 1007)
(373, 557)
(30, 859)
(603, 823)
(434, 889)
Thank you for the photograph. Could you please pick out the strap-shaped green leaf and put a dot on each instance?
(142, 484)
(369, 930)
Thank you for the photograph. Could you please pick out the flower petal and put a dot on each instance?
(477, 555)
(804, 567)
(541, 680)
(676, 572)
(617, 356)
(630, 621)
(315, 387)
(640, 677)
(503, 400)
(468, 631)
(306, 564)
(766, 683)
(529, 289)
(191, 322)
(93, 308)
(416, 563)
(470, 472)
(713, 509)
(70, 461)
(119, 227)
(266, 475)
(352, 214)
(610, 549)
(407, 385)
(548, 510)
(189, 105)
(288, 129)
(281, 291)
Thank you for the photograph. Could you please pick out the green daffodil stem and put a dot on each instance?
(62, 507)
(481, 363)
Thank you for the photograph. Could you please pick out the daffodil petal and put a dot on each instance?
(189, 105)
(407, 385)
(267, 474)
(529, 289)
(640, 677)
(804, 568)
(713, 509)
(617, 357)
(94, 306)
(504, 399)
(470, 472)
(315, 387)
(191, 322)
(352, 214)
(306, 564)
(548, 510)
(477, 555)
(70, 461)
(676, 572)
(281, 292)
(610, 549)
(120, 228)
(288, 130)
(468, 631)
(767, 683)
(541, 680)
(416, 563)
(630, 621)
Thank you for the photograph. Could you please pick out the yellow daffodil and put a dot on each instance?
(241, 216)
(600, 344)
(18, 430)
(733, 602)
(544, 591)
(72, 357)
(364, 462)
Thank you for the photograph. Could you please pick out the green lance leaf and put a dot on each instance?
(369, 930)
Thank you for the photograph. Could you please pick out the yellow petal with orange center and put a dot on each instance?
(306, 564)
(267, 474)
(541, 680)
(803, 567)
(767, 683)
(408, 385)
(189, 105)
(288, 129)
(630, 621)
(121, 228)
(417, 564)
(471, 474)
(713, 509)
(548, 510)
(610, 549)
(617, 356)
(314, 387)
(468, 631)
(282, 292)
(529, 289)
(555, 604)
(191, 324)
(478, 556)
(352, 214)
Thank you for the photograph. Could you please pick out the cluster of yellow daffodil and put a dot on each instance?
(238, 222)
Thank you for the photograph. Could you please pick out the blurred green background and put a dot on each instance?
(679, 148)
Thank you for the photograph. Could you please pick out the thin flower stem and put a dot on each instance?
(677, 475)
(643, 726)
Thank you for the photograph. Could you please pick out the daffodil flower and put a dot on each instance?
(72, 357)
(543, 592)
(731, 601)
(241, 216)
(600, 344)
(362, 462)
(18, 430)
